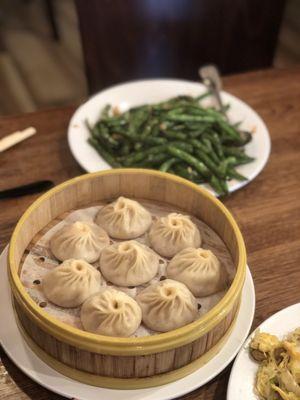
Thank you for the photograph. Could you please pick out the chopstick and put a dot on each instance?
(16, 137)
(29, 188)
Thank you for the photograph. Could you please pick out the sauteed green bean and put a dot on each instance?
(179, 136)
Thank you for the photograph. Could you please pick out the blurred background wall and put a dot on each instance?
(41, 58)
(38, 69)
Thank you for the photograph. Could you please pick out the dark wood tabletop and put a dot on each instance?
(267, 210)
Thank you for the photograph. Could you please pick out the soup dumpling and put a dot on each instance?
(124, 219)
(71, 283)
(80, 240)
(167, 305)
(128, 263)
(111, 313)
(199, 269)
(173, 233)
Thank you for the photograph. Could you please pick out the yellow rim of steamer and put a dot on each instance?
(125, 383)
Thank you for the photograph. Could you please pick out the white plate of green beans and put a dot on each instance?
(172, 126)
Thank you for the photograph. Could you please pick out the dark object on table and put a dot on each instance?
(30, 188)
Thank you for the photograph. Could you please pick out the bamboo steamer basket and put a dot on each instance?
(126, 363)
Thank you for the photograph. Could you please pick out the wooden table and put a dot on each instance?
(267, 210)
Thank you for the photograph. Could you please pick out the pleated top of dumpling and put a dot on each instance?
(128, 263)
(167, 305)
(112, 313)
(81, 240)
(199, 269)
(173, 233)
(124, 219)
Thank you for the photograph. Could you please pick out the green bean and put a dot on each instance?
(182, 145)
(166, 125)
(137, 146)
(118, 137)
(105, 111)
(152, 161)
(193, 110)
(135, 109)
(225, 108)
(227, 164)
(157, 159)
(223, 166)
(174, 135)
(209, 163)
(148, 127)
(188, 173)
(242, 161)
(218, 114)
(154, 140)
(189, 118)
(165, 105)
(198, 145)
(241, 157)
(185, 98)
(229, 133)
(141, 155)
(232, 173)
(207, 144)
(224, 186)
(214, 138)
(245, 137)
(123, 131)
(104, 134)
(237, 124)
(137, 119)
(190, 109)
(89, 127)
(105, 154)
(206, 147)
(155, 130)
(125, 149)
(212, 152)
(216, 184)
(191, 160)
(168, 164)
(199, 131)
(233, 151)
(195, 126)
(176, 110)
(115, 121)
(202, 96)
(229, 161)
(176, 127)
